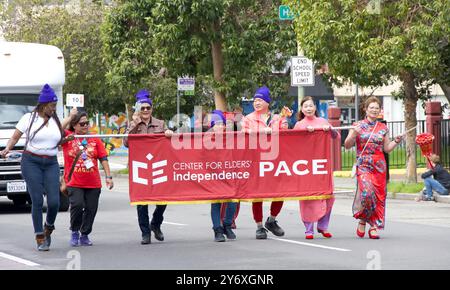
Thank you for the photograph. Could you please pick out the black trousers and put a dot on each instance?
(143, 218)
(83, 208)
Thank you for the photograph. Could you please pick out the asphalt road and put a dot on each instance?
(417, 236)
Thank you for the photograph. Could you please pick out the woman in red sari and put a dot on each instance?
(372, 139)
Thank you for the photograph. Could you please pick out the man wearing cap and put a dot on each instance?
(262, 120)
(39, 164)
(144, 123)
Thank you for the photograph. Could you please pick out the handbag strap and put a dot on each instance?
(73, 165)
(364, 148)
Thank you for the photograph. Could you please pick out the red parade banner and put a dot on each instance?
(233, 166)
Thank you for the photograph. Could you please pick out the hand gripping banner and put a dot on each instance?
(233, 166)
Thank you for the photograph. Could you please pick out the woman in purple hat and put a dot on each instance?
(218, 124)
(262, 120)
(40, 169)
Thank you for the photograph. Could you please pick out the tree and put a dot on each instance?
(230, 47)
(135, 62)
(127, 44)
(442, 75)
(75, 29)
(233, 41)
(371, 47)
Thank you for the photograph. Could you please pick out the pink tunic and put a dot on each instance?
(254, 122)
(314, 210)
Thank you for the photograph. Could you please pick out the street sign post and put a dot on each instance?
(302, 71)
(284, 13)
(187, 86)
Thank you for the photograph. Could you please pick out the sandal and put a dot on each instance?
(325, 234)
(358, 233)
(376, 236)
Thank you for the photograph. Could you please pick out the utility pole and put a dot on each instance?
(301, 89)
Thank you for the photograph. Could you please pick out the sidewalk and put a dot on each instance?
(118, 162)
(346, 186)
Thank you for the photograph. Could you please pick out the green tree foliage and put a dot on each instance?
(373, 42)
(75, 29)
(229, 46)
(128, 48)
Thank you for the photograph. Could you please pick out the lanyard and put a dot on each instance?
(82, 146)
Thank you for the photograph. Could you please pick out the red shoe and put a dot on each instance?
(361, 234)
(325, 234)
(309, 237)
(374, 237)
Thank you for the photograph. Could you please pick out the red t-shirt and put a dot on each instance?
(83, 177)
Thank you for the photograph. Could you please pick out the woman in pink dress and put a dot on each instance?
(314, 210)
(372, 139)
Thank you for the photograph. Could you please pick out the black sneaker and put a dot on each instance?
(261, 234)
(146, 239)
(158, 234)
(229, 233)
(218, 235)
(274, 228)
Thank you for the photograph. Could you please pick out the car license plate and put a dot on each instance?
(17, 186)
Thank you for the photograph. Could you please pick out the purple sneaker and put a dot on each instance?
(74, 241)
(84, 241)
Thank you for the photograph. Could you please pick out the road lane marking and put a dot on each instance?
(311, 245)
(175, 224)
(18, 260)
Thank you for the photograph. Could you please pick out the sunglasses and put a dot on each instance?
(146, 108)
(82, 124)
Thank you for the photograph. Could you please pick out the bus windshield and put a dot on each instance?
(14, 106)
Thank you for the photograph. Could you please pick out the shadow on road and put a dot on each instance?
(7, 207)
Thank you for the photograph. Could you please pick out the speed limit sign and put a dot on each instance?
(74, 100)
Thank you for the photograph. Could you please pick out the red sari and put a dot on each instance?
(370, 198)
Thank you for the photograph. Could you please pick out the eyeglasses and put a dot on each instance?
(82, 124)
(146, 108)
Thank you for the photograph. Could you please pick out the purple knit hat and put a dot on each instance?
(47, 95)
(143, 96)
(217, 116)
(263, 93)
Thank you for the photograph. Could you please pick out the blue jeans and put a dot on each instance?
(42, 177)
(215, 214)
(432, 184)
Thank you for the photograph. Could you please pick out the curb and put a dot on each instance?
(393, 195)
(442, 198)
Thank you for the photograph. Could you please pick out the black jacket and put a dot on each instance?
(439, 174)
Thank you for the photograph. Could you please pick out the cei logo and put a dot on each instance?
(157, 171)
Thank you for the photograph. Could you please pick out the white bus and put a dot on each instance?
(24, 69)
